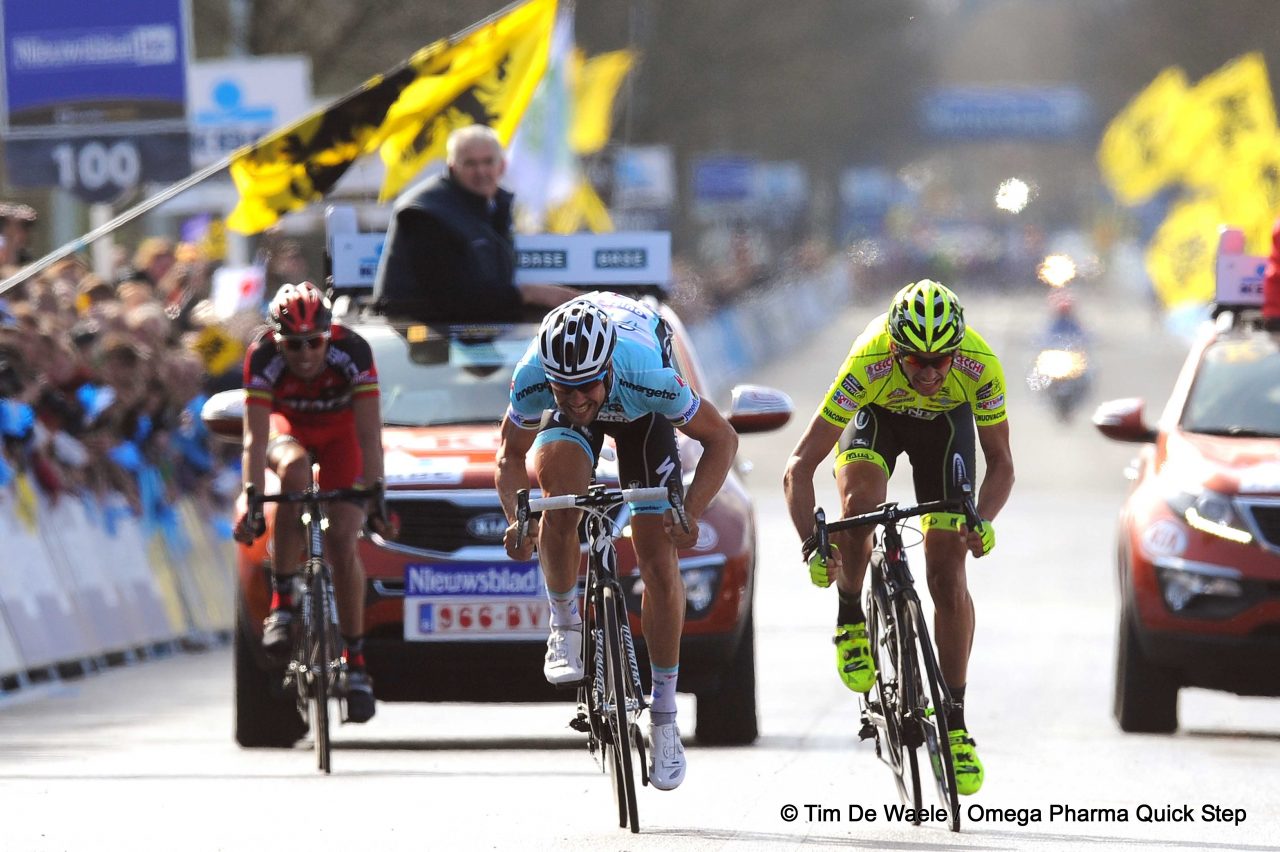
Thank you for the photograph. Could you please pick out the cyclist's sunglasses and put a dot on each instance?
(918, 361)
(296, 344)
(585, 387)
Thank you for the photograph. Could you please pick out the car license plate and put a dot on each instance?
(451, 620)
(482, 601)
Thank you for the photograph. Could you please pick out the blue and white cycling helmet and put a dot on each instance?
(575, 343)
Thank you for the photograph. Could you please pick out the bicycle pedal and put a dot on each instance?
(867, 732)
(580, 723)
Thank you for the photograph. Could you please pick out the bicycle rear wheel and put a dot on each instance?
(934, 724)
(322, 654)
(617, 673)
(883, 703)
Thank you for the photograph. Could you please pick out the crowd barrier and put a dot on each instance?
(85, 584)
(768, 324)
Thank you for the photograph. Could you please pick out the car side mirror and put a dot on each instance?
(755, 408)
(1121, 420)
(223, 415)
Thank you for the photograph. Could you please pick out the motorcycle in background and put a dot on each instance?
(1061, 370)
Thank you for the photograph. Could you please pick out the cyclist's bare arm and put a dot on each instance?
(511, 475)
(257, 431)
(368, 416)
(719, 447)
(998, 481)
(797, 481)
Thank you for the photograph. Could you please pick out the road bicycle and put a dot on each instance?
(316, 670)
(907, 706)
(610, 697)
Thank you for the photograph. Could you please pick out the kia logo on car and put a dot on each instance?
(491, 526)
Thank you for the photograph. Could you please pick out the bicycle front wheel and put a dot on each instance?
(883, 704)
(934, 722)
(323, 651)
(617, 673)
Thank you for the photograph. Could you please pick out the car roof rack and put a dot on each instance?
(635, 263)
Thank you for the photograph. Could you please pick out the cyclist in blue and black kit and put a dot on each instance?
(601, 365)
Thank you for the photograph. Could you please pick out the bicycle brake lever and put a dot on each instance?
(821, 540)
(971, 516)
(522, 516)
(677, 503)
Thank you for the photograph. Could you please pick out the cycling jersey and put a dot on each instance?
(315, 412)
(871, 376)
(348, 371)
(643, 379)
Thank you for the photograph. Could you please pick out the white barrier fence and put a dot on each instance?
(83, 584)
(770, 324)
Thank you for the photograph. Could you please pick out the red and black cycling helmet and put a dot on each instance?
(300, 310)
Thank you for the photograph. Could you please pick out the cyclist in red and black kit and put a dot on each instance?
(311, 393)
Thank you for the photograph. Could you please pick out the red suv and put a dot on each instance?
(1199, 544)
(448, 616)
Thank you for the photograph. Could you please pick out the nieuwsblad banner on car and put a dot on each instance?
(484, 601)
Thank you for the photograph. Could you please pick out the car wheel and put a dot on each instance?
(727, 716)
(266, 717)
(1146, 693)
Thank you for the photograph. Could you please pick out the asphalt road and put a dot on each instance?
(142, 757)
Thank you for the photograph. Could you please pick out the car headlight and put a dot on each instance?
(1210, 512)
(700, 587)
(1199, 590)
(701, 576)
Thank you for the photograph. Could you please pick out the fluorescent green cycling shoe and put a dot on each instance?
(853, 657)
(964, 757)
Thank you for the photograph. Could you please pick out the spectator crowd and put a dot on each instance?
(102, 381)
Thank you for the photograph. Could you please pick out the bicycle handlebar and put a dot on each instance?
(888, 513)
(596, 498)
(256, 500)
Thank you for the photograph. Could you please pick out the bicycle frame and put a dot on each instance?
(316, 666)
(610, 697)
(908, 704)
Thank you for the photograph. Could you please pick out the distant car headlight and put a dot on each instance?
(701, 584)
(1210, 512)
(1200, 590)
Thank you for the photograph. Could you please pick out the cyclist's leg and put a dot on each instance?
(341, 462)
(940, 454)
(865, 458)
(287, 457)
(564, 456)
(648, 456)
(940, 450)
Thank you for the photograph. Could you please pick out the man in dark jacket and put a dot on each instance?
(450, 254)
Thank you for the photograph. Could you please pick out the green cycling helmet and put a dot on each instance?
(926, 317)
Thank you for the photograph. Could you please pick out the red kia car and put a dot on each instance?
(1199, 542)
(448, 616)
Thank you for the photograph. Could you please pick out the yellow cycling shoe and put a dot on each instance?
(964, 757)
(853, 657)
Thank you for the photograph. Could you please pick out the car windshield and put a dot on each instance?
(1237, 389)
(432, 376)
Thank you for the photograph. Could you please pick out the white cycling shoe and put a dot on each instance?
(666, 756)
(564, 655)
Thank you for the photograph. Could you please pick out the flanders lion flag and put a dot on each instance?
(483, 76)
